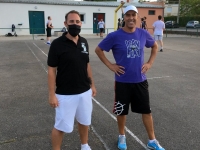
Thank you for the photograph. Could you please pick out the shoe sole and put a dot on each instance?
(150, 148)
(122, 149)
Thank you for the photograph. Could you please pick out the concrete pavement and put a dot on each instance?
(27, 119)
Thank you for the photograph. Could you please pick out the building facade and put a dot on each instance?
(171, 10)
(30, 16)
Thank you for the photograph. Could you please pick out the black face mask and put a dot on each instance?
(74, 30)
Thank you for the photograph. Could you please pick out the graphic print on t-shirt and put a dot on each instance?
(133, 48)
(84, 48)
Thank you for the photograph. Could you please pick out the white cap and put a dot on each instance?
(130, 7)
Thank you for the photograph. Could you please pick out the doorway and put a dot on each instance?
(36, 22)
(96, 18)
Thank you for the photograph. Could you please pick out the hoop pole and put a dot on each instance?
(115, 16)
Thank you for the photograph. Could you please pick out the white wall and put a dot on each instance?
(13, 13)
(171, 10)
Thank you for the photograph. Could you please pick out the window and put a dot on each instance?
(169, 9)
(82, 17)
(151, 12)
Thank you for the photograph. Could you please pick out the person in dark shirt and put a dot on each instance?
(70, 82)
(48, 29)
(142, 24)
(119, 24)
(145, 23)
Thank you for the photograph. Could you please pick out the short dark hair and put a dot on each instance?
(159, 17)
(145, 17)
(49, 17)
(72, 12)
(119, 19)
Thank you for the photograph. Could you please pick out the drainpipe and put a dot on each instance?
(115, 17)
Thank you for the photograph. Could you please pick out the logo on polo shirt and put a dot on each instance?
(84, 48)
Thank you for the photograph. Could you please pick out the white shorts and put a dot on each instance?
(77, 106)
(158, 37)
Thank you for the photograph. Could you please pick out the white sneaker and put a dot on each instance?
(86, 148)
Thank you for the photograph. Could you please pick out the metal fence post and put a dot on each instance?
(33, 33)
(186, 31)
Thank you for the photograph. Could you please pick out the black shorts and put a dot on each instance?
(101, 29)
(48, 32)
(134, 94)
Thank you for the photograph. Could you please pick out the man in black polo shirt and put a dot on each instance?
(71, 86)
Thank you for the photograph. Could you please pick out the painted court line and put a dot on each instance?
(105, 145)
(159, 77)
(40, 49)
(43, 66)
(127, 130)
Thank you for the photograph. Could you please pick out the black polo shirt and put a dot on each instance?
(71, 61)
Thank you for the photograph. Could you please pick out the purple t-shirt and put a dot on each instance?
(128, 51)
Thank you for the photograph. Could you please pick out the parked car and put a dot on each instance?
(171, 24)
(197, 25)
(192, 24)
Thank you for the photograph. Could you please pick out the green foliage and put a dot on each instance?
(190, 8)
(173, 1)
(182, 20)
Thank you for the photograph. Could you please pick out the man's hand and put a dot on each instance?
(146, 67)
(117, 69)
(53, 101)
(94, 91)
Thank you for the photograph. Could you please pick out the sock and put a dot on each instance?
(151, 141)
(84, 145)
(121, 135)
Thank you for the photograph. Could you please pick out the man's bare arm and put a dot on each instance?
(52, 86)
(152, 57)
(49, 25)
(89, 71)
(113, 67)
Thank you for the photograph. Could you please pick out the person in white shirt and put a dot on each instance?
(158, 27)
(101, 26)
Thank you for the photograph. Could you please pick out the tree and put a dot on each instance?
(189, 7)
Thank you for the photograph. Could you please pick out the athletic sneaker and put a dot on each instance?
(161, 50)
(122, 143)
(155, 146)
(86, 148)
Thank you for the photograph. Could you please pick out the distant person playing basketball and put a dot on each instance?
(48, 29)
(158, 27)
(101, 26)
(142, 24)
(145, 23)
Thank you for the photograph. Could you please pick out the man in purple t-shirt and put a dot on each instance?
(131, 86)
